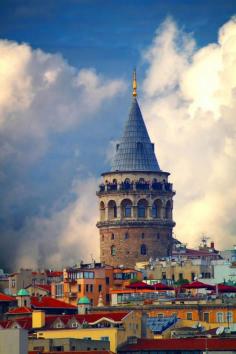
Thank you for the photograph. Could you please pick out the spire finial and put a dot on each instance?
(134, 84)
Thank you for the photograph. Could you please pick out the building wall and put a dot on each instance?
(198, 314)
(131, 327)
(67, 344)
(24, 278)
(13, 341)
(175, 270)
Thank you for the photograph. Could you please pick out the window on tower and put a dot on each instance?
(168, 210)
(113, 250)
(156, 208)
(142, 208)
(102, 211)
(143, 250)
(112, 209)
(126, 207)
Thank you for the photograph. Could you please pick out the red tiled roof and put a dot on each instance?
(49, 302)
(182, 344)
(43, 286)
(54, 273)
(26, 322)
(38, 273)
(19, 310)
(76, 352)
(6, 298)
(89, 318)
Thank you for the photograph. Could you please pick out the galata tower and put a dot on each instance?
(135, 199)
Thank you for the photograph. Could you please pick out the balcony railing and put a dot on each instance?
(138, 186)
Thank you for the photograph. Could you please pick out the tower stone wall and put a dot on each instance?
(135, 217)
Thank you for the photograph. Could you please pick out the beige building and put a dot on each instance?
(24, 278)
(172, 271)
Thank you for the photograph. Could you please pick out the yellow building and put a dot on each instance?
(114, 327)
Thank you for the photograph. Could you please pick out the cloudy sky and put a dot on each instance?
(65, 77)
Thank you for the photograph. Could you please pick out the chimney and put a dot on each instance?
(38, 319)
(212, 245)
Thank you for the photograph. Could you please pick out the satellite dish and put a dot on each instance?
(219, 331)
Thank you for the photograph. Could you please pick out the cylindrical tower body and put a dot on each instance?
(135, 217)
(135, 199)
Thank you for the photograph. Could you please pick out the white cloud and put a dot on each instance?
(67, 236)
(42, 96)
(41, 93)
(190, 103)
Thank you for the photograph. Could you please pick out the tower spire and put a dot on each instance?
(134, 84)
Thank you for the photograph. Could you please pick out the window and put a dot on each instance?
(189, 316)
(156, 208)
(105, 339)
(229, 317)
(99, 287)
(206, 316)
(126, 236)
(113, 250)
(192, 276)
(79, 288)
(107, 298)
(180, 276)
(168, 210)
(158, 236)
(88, 275)
(164, 275)
(102, 211)
(13, 283)
(126, 207)
(219, 317)
(112, 209)
(74, 324)
(59, 290)
(87, 288)
(143, 250)
(112, 236)
(91, 288)
(142, 207)
(142, 236)
(107, 280)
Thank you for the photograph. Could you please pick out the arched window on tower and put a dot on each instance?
(142, 208)
(113, 250)
(126, 208)
(102, 211)
(168, 210)
(143, 250)
(156, 208)
(112, 209)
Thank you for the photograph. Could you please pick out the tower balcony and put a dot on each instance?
(135, 223)
(124, 187)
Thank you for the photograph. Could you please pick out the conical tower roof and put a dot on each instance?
(135, 152)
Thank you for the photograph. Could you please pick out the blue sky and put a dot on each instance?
(109, 35)
(47, 153)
